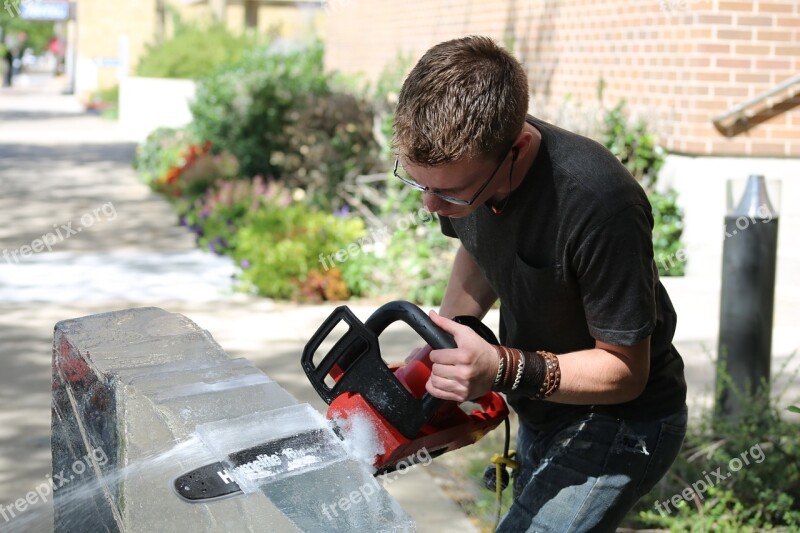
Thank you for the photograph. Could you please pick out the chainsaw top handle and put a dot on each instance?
(356, 359)
(415, 317)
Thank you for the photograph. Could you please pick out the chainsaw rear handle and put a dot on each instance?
(357, 342)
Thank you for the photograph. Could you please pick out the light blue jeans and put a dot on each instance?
(586, 474)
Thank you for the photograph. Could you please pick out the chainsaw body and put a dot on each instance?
(355, 381)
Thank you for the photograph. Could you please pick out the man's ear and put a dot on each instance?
(514, 153)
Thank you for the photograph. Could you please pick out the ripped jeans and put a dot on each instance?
(586, 474)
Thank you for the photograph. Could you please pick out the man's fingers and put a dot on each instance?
(445, 389)
(447, 372)
(449, 356)
(445, 323)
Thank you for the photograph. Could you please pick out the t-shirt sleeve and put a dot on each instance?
(447, 227)
(617, 277)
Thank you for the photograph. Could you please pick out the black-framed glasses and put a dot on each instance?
(446, 197)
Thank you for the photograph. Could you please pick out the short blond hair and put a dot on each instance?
(466, 97)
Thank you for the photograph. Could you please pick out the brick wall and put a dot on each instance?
(678, 63)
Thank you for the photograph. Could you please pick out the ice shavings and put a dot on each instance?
(361, 438)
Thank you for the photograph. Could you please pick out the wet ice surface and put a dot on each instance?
(77, 492)
(318, 485)
(307, 472)
(267, 446)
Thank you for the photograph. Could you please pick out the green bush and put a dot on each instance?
(39, 32)
(283, 251)
(633, 146)
(201, 170)
(760, 490)
(328, 141)
(408, 240)
(244, 107)
(194, 52)
(106, 101)
(384, 99)
(667, 230)
(225, 209)
(162, 150)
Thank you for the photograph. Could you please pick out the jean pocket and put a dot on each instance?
(676, 424)
(668, 445)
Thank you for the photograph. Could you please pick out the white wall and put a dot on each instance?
(701, 184)
(149, 103)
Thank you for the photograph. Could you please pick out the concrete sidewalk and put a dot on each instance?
(61, 167)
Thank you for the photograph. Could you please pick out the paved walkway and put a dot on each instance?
(59, 168)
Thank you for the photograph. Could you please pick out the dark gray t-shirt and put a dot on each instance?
(571, 260)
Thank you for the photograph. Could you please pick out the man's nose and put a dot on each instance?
(432, 202)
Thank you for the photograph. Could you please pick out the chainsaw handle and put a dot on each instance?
(436, 337)
(420, 322)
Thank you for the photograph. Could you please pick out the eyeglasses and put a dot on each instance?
(446, 197)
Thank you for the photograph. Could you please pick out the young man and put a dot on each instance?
(557, 229)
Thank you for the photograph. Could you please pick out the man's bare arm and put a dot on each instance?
(605, 374)
(468, 292)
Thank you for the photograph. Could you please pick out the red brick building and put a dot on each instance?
(679, 63)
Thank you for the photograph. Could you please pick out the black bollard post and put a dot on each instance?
(746, 306)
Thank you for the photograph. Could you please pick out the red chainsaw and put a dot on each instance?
(406, 419)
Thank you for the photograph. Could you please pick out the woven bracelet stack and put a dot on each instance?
(521, 371)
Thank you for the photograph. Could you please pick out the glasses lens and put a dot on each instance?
(406, 177)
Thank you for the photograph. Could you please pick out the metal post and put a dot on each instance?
(746, 307)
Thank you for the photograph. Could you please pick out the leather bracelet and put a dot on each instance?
(552, 380)
(500, 366)
(511, 371)
(520, 370)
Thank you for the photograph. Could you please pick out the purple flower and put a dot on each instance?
(244, 263)
(183, 221)
(342, 213)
